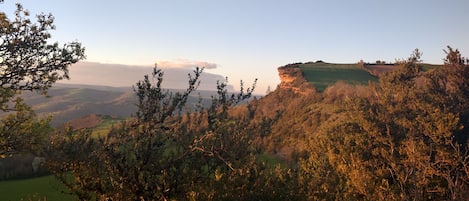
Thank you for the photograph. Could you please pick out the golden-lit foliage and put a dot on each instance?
(407, 141)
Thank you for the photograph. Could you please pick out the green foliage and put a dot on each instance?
(28, 63)
(22, 131)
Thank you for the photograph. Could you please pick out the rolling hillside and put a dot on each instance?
(68, 102)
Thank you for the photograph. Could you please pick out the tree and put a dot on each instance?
(28, 63)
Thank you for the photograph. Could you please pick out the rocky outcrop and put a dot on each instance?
(291, 78)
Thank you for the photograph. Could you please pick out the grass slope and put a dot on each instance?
(106, 126)
(40, 188)
(322, 75)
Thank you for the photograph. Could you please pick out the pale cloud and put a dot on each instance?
(182, 63)
(118, 75)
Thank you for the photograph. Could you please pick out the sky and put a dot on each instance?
(248, 39)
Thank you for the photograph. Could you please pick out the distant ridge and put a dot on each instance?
(66, 102)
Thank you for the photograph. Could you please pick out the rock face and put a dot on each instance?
(291, 78)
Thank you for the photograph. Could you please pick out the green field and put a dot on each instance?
(106, 126)
(39, 188)
(322, 75)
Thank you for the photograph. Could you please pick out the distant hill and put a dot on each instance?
(67, 101)
(70, 102)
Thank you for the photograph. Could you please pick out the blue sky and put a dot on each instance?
(249, 39)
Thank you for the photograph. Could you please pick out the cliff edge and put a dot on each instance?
(291, 78)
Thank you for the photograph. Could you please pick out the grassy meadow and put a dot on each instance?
(322, 75)
(39, 188)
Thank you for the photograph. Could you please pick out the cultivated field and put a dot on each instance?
(322, 75)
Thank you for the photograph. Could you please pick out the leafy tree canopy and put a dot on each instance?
(28, 62)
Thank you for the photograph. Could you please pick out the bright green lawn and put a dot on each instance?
(39, 188)
(322, 75)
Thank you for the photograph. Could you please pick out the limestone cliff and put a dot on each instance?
(291, 78)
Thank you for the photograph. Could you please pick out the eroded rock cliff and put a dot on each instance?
(291, 78)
